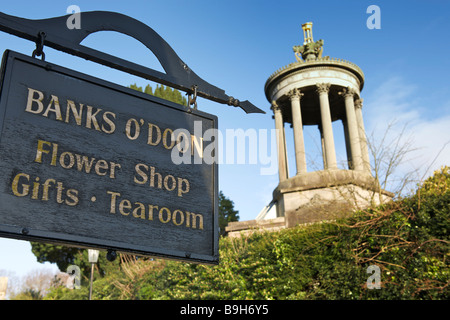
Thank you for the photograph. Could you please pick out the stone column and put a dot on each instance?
(300, 156)
(322, 144)
(327, 129)
(352, 125)
(362, 135)
(281, 143)
(347, 145)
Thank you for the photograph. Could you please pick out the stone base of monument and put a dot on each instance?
(314, 197)
(240, 228)
(326, 195)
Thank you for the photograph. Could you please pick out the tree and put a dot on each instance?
(226, 212)
(389, 155)
(61, 255)
(35, 285)
(163, 92)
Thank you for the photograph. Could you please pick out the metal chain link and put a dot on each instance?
(193, 100)
(40, 46)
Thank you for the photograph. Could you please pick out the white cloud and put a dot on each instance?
(396, 103)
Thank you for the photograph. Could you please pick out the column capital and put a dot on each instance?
(295, 94)
(347, 92)
(275, 107)
(322, 87)
(359, 103)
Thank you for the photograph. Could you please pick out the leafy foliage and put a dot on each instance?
(408, 239)
(163, 92)
(226, 212)
(62, 256)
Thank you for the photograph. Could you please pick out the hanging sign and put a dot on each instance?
(88, 163)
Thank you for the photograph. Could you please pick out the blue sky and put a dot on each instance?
(237, 45)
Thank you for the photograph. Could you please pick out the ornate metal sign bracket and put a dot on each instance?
(53, 32)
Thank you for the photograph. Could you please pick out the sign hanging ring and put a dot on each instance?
(192, 98)
(39, 51)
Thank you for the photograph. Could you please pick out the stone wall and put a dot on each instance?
(238, 228)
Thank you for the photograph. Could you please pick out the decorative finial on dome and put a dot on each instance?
(307, 32)
(310, 50)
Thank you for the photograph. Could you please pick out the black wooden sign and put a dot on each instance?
(89, 163)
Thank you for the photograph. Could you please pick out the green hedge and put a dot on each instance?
(407, 239)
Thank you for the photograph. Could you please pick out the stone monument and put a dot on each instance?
(316, 91)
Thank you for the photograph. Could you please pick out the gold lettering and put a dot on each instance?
(113, 201)
(83, 161)
(164, 139)
(35, 104)
(124, 204)
(194, 220)
(183, 182)
(152, 178)
(31, 99)
(168, 214)
(174, 217)
(40, 150)
(150, 211)
(140, 207)
(169, 182)
(166, 184)
(73, 195)
(54, 154)
(197, 144)
(76, 114)
(56, 109)
(112, 173)
(91, 118)
(150, 134)
(62, 160)
(35, 192)
(110, 122)
(59, 190)
(165, 215)
(15, 185)
(46, 186)
(141, 173)
(137, 129)
(101, 165)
